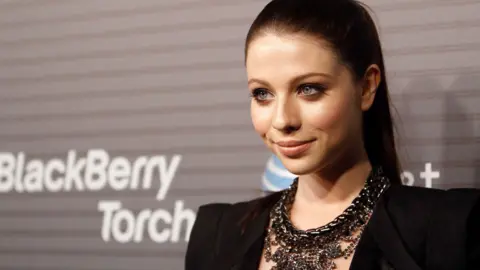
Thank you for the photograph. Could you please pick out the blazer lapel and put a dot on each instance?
(383, 232)
(235, 244)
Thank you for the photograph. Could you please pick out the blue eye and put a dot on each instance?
(310, 89)
(261, 94)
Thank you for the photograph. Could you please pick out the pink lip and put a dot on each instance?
(293, 148)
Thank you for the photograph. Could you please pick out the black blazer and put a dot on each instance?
(411, 228)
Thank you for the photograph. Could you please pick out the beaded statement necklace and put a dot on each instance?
(316, 249)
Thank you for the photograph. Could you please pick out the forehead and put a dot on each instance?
(289, 53)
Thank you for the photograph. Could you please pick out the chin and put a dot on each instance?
(299, 166)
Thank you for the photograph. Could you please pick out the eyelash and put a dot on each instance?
(255, 93)
(319, 89)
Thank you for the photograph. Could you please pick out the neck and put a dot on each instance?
(334, 185)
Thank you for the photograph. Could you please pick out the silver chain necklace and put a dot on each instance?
(315, 249)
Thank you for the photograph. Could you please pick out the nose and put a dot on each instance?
(286, 116)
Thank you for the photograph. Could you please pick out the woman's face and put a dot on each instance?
(306, 105)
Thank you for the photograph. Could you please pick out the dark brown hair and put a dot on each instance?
(351, 34)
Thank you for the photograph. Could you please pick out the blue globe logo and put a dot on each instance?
(276, 177)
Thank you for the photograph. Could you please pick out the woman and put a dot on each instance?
(320, 103)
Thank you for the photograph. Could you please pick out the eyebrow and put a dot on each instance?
(294, 80)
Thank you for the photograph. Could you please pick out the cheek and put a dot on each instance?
(334, 115)
(261, 119)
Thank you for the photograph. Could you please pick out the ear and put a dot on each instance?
(371, 81)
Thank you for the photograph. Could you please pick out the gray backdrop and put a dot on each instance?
(153, 95)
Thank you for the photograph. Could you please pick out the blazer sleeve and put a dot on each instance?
(201, 246)
(453, 240)
(473, 238)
